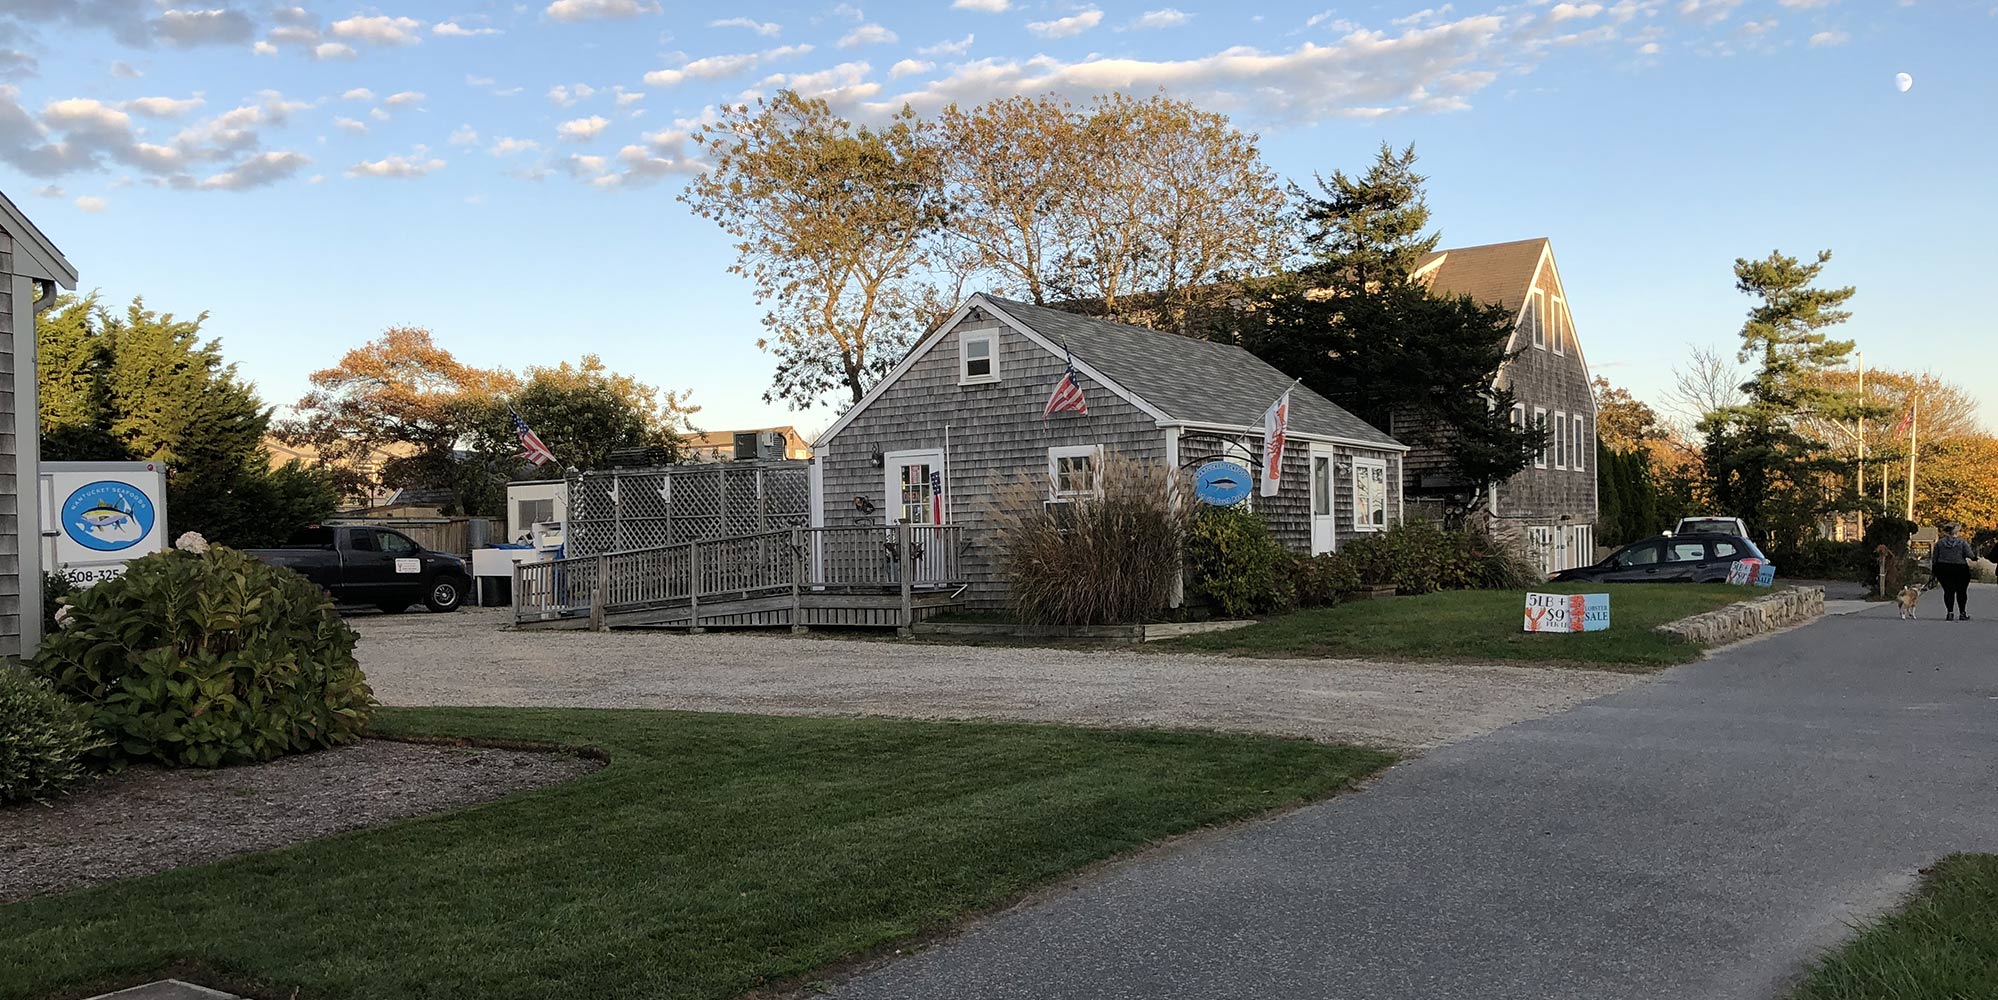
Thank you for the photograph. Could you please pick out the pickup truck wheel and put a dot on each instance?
(446, 593)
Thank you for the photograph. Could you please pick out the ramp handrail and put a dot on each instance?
(851, 557)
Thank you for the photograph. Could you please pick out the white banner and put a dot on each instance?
(1276, 424)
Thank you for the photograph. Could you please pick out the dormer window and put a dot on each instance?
(977, 357)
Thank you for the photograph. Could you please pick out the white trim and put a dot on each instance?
(1560, 429)
(1178, 596)
(35, 257)
(991, 341)
(1556, 308)
(891, 465)
(816, 490)
(1329, 454)
(1538, 300)
(27, 465)
(1293, 432)
(1094, 452)
(978, 301)
(1369, 463)
(1540, 422)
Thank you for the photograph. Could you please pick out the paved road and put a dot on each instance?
(1700, 836)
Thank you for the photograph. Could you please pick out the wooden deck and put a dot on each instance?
(847, 576)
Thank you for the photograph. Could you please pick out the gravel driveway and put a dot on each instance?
(466, 659)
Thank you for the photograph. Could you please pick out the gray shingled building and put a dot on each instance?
(31, 272)
(964, 411)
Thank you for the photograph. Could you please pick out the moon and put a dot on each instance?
(1903, 81)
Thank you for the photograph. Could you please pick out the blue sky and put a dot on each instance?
(505, 174)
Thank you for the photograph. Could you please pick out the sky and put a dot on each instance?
(506, 174)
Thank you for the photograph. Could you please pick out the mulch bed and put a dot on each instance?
(150, 819)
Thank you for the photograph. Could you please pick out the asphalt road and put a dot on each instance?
(1701, 836)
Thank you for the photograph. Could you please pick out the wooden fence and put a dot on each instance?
(454, 535)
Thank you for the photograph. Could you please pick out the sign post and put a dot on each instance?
(97, 516)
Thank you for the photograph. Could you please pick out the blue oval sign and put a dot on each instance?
(107, 516)
(1222, 483)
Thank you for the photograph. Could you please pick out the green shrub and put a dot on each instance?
(1105, 559)
(209, 658)
(1236, 564)
(1422, 557)
(1320, 579)
(56, 591)
(45, 740)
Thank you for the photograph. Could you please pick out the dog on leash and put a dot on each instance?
(1911, 595)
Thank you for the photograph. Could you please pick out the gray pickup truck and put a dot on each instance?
(361, 564)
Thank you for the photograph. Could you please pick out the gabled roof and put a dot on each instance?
(1497, 273)
(42, 259)
(1189, 380)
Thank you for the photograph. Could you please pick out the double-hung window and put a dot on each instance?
(1535, 318)
(1073, 471)
(977, 357)
(1578, 439)
(1560, 440)
(1557, 319)
(1540, 424)
(1370, 494)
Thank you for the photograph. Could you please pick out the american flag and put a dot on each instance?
(1067, 396)
(530, 443)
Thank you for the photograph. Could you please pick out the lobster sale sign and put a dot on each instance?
(1567, 612)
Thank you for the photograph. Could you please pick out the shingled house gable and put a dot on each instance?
(1152, 397)
(1551, 505)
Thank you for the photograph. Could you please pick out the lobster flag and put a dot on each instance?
(1276, 423)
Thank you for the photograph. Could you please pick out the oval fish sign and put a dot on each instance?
(107, 516)
(1222, 483)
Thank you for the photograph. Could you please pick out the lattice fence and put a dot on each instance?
(620, 509)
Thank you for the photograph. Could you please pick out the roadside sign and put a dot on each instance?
(97, 516)
(1221, 483)
(1567, 612)
(1751, 571)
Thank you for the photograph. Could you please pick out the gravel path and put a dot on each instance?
(148, 819)
(466, 659)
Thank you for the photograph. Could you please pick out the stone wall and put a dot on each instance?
(1753, 617)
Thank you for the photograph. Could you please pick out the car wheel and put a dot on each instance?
(446, 593)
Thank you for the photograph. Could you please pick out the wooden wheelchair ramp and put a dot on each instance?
(799, 577)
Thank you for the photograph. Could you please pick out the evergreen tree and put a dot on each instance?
(145, 387)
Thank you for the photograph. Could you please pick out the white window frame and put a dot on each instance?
(1540, 424)
(891, 481)
(1561, 440)
(1094, 452)
(1556, 330)
(1578, 440)
(964, 342)
(1359, 466)
(1519, 416)
(1538, 328)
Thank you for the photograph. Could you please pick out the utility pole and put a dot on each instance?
(1914, 432)
(1862, 431)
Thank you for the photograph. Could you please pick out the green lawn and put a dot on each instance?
(1942, 946)
(1479, 625)
(715, 853)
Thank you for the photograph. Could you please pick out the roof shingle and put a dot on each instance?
(1496, 273)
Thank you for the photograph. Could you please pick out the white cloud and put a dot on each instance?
(848, 11)
(1827, 39)
(563, 95)
(1804, 4)
(164, 107)
(380, 114)
(627, 98)
(358, 94)
(464, 135)
(505, 146)
(417, 163)
(84, 135)
(843, 84)
(379, 29)
(91, 203)
(1571, 11)
(947, 48)
(1707, 11)
(910, 67)
(983, 6)
(479, 81)
(51, 191)
(264, 49)
(404, 99)
(1648, 49)
(591, 10)
(351, 126)
(582, 129)
(261, 170)
(333, 50)
(870, 34)
(1168, 17)
(1065, 27)
(125, 71)
(767, 29)
(186, 28)
(717, 67)
(452, 29)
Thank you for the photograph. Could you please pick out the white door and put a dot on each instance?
(1324, 537)
(913, 487)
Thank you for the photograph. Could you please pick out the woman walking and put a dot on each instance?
(1952, 567)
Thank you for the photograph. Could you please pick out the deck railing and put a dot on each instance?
(864, 559)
